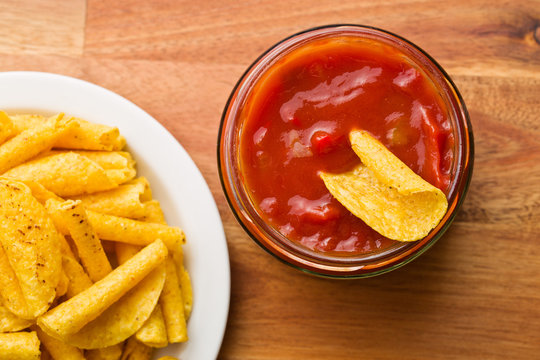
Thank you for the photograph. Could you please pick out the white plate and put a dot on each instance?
(175, 181)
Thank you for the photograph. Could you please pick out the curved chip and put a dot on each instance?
(386, 194)
(153, 332)
(124, 317)
(7, 129)
(19, 346)
(119, 165)
(108, 353)
(75, 313)
(29, 253)
(57, 348)
(65, 174)
(134, 350)
(125, 201)
(10, 322)
(32, 142)
(87, 136)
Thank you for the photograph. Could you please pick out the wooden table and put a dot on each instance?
(474, 295)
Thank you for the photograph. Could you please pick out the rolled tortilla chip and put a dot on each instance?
(63, 284)
(155, 214)
(60, 225)
(92, 136)
(66, 246)
(87, 136)
(184, 280)
(10, 290)
(19, 346)
(7, 128)
(123, 318)
(135, 350)
(109, 353)
(187, 291)
(172, 306)
(10, 322)
(124, 201)
(146, 195)
(23, 122)
(134, 232)
(153, 333)
(88, 245)
(386, 194)
(124, 252)
(71, 315)
(78, 279)
(66, 174)
(32, 142)
(40, 192)
(78, 282)
(119, 165)
(30, 255)
(59, 350)
(106, 159)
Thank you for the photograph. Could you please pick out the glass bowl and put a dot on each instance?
(271, 240)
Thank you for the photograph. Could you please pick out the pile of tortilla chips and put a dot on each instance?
(386, 194)
(88, 267)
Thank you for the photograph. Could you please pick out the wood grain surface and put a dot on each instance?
(474, 295)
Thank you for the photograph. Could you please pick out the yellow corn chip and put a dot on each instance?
(125, 201)
(109, 353)
(65, 174)
(187, 291)
(7, 129)
(134, 232)
(10, 322)
(119, 165)
(88, 244)
(73, 314)
(32, 142)
(172, 305)
(92, 136)
(30, 252)
(26, 121)
(123, 318)
(155, 214)
(106, 159)
(63, 283)
(10, 290)
(40, 192)
(58, 349)
(153, 333)
(78, 279)
(19, 346)
(87, 136)
(135, 350)
(386, 194)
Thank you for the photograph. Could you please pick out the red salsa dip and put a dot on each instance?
(296, 123)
